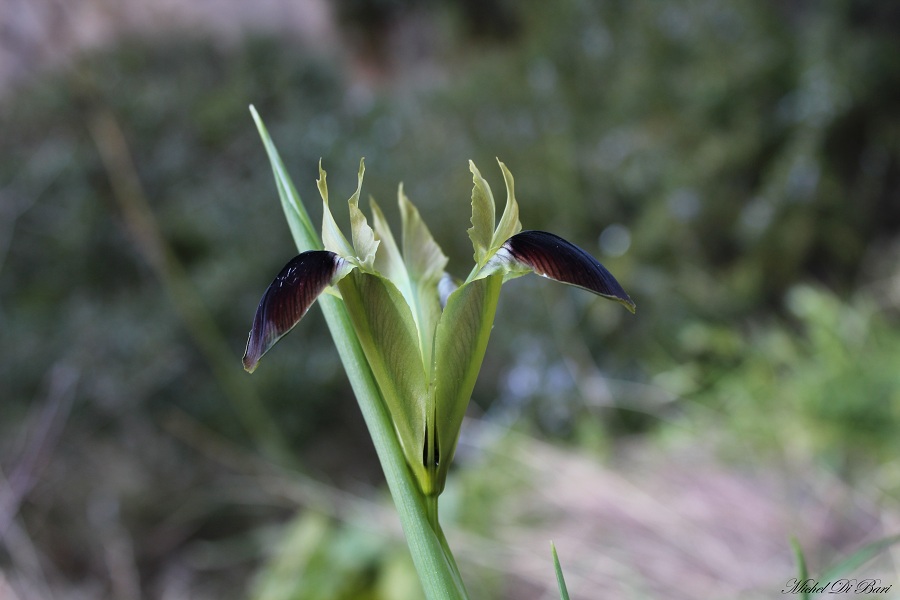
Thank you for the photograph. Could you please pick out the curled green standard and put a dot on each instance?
(423, 333)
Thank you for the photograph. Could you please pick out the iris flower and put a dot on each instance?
(424, 334)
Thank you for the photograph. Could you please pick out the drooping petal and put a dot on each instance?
(551, 256)
(288, 298)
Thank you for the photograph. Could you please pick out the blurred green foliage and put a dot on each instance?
(316, 560)
(824, 384)
(712, 155)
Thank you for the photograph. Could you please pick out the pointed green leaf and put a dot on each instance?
(298, 219)
(425, 264)
(364, 242)
(483, 216)
(560, 580)
(460, 343)
(332, 236)
(388, 336)
(803, 572)
(509, 223)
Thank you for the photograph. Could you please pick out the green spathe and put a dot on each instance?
(425, 357)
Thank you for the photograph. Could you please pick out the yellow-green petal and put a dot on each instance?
(425, 264)
(509, 223)
(388, 260)
(364, 242)
(332, 237)
(483, 216)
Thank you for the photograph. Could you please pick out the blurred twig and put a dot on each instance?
(40, 443)
(143, 226)
(521, 561)
(280, 482)
(14, 205)
(38, 447)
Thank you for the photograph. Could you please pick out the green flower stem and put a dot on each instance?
(434, 563)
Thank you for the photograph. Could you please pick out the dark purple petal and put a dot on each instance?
(551, 256)
(288, 298)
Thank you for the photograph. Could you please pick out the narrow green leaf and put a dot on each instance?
(298, 219)
(460, 343)
(484, 215)
(364, 242)
(560, 580)
(509, 223)
(438, 574)
(425, 264)
(331, 234)
(388, 336)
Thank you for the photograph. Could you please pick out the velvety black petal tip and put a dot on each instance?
(552, 256)
(288, 298)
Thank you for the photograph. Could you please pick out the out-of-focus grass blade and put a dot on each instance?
(563, 592)
(437, 572)
(802, 571)
(860, 557)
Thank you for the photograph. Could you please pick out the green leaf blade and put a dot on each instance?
(460, 343)
(302, 230)
(802, 571)
(390, 341)
(560, 580)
